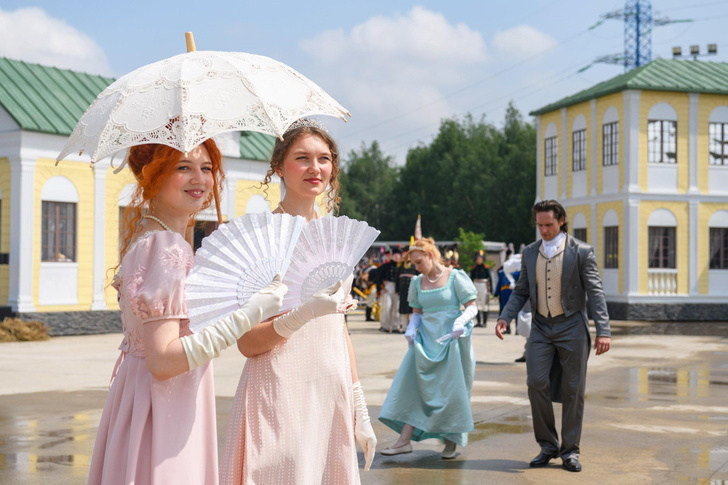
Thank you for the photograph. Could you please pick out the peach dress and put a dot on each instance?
(292, 420)
(155, 432)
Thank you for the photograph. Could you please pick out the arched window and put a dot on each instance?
(610, 137)
(611, 239)
(579, 226)
(59, 201)
(718, 133)
(257, 204)
(578, 138)
(551, 150)
(662, 134)
(718, 225)
(661, 239)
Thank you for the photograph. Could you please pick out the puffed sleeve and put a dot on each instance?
(412, 297)
(464, 287)
(157, 267)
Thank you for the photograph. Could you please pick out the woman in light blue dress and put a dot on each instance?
(430, 395)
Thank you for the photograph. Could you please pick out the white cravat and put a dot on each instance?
(550, 247)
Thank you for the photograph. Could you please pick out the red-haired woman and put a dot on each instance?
(158, 424)
(299, 408)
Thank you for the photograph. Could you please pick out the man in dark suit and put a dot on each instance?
(557, 274)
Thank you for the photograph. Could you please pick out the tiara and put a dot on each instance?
(417, 248)
(303, 122)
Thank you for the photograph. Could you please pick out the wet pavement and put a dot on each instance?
(656, 410)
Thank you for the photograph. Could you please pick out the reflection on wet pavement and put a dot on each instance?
(30, 445)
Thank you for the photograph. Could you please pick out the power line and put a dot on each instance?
(465, 88)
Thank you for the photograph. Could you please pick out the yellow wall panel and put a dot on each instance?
(82, 177)
(680, 102)
(572, 211)
(706, 104)
(571, 113)
(245, 189)
(603, 103)
(5, 187)
(682, 241)
(602, 209)
(547, 118)
(115, 183)
(705, 211)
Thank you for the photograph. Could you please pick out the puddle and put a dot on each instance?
(514, 425)
(667, 383)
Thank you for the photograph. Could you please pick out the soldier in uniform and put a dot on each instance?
(480, 274)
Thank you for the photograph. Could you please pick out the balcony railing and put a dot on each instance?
(662, 281)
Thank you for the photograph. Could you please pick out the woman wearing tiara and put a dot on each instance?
(430, 395)
(299, 407)
(158, 424)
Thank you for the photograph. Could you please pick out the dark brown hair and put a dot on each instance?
(551, 206)
(281, 147)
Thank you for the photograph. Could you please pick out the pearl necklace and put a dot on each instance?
(438, 276)
(158, 221)
(280, 206)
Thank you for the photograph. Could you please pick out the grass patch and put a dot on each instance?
(17, 330)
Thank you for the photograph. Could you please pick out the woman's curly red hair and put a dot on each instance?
(151, 164)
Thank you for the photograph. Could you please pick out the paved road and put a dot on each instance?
(656, 412)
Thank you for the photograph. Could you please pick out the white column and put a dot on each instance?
(693, 249)
(594, 131)
(99, 299)
(231, 183)
(630, 248)
(631, 158)
(539, 156)
(693, 144)
(564, 147)
(22, 222)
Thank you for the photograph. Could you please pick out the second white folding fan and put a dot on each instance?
(236, 261)
(327, 251)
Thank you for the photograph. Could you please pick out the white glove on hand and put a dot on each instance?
(324, 302)
(458, 326)
(207, 344)
(363, 430)
(412, 327)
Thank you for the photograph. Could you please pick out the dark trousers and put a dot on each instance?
(568, 341)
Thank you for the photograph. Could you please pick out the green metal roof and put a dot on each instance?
(51, 100)
(46, 99)
(659, 75)
(256, 146)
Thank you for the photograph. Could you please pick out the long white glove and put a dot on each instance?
(324, 302)
(207, 344)
(458, 326)
(414, 324)
(363, 430)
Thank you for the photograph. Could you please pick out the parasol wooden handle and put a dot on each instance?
(190, 42)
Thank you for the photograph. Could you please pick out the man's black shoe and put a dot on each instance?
(521, 359)
(542, 460)
(571, 464)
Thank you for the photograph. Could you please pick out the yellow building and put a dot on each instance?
(59, 225)
(640, 162)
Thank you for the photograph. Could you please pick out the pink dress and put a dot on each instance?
(292, 420)
(155, 432)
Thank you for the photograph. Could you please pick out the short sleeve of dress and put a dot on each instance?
(155, 271)
(412, 297)
(464, 288)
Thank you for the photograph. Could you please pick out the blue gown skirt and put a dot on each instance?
(431, 390)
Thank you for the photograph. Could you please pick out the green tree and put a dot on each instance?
(367, 181)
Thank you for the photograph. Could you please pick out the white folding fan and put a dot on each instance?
(236, 261)
(327, 251)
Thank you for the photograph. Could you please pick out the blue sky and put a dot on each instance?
(399, 67)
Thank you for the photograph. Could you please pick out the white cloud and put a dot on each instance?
(522, 41)
(387, 66)
(31, 35)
